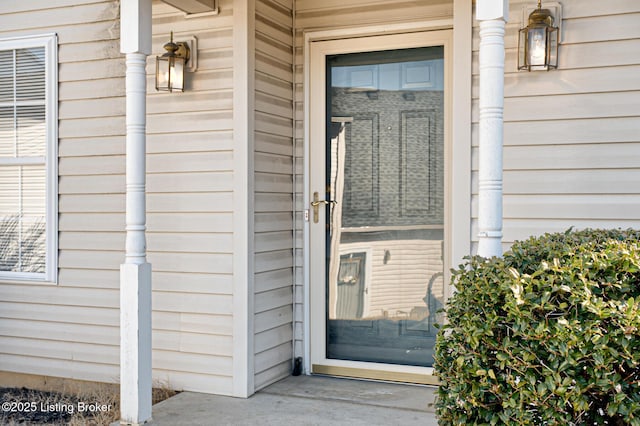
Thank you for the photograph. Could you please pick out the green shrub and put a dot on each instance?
(547, 335)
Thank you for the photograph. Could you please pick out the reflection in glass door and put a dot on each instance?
(385, 233)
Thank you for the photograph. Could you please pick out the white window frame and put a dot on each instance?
(50, 44)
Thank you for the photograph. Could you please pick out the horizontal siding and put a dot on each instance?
(522, 229)
(273, 199)
(45, 312)
(72, 329)
(587, 55)
(568, 207)
(571, 135)
(35, 5)
(571, 106)
(204, 181)
(312, 15)
(574, 156)
(309, 13)
(192, 323)
(569, 181)
(401, 284)
(196, 382)
(50, 330)
(566, 132)
(590, 81)
(86, 352)
(61, 296)
(164, 321)
(31, 18)
(196, 343)
(173, 222)
(189, 203)
(46, 365)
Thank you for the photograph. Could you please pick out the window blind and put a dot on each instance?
(23, 147)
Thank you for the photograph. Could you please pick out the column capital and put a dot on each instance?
(135, 26)
(492, 9)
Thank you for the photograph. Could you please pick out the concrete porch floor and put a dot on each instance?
(305, 400)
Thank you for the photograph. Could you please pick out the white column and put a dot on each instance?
(135, 273)
(492, 15)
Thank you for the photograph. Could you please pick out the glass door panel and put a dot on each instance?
(385, 232)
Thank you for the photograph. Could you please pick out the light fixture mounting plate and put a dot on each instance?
(553, 6)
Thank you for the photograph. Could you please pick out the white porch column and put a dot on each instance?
(492, 15)
(135, 273)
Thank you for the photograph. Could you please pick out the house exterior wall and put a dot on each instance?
(72, 329)
(190, 214)
(572, 135)
(195, 177)
(273, 199)
(311, 15)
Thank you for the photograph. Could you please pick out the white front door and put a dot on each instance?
(378, 208)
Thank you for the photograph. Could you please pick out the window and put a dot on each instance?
(28, 158)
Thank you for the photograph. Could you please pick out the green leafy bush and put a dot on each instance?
(547, 335)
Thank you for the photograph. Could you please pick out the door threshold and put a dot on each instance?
(369, 374)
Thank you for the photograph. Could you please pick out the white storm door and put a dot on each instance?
(378, 203)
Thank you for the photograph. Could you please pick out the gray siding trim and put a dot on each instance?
(273, 159)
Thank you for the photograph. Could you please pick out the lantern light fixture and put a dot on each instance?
(171, 66)
(538, 42)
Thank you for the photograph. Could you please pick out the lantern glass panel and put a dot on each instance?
(537, 47)
(162, 73)
(522, 50)
(553, 47)
(177, 75)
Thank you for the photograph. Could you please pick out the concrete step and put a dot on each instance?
(305, 400)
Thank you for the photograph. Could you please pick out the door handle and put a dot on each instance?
(316, 203)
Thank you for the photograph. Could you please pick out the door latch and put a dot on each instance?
(316, 203)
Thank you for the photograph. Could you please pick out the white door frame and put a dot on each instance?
(403, 37)
(460, 240)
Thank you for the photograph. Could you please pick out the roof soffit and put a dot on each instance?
(191, 7)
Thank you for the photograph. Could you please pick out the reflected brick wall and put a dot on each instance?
(394, 165)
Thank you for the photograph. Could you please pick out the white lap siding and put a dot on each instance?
(72, 329)
(572, 135)
(273, 222)
(190, 179)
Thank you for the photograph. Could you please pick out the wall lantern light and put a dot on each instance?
(538, 42)
(170, 67)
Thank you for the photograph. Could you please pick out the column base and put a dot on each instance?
(135, 343)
